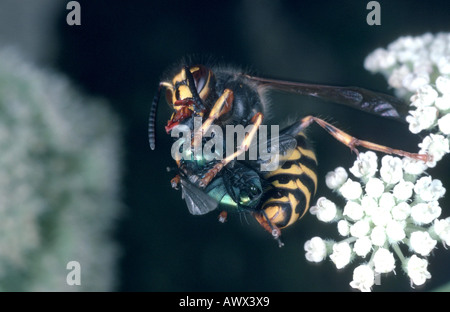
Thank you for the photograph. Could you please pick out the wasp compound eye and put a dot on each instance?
(169, 96)
(201, 75)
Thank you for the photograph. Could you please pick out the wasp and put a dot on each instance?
(221, 96)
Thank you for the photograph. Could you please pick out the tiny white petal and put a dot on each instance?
(443, 102)
(395, 231)
(443, 64)
(315, 249)
(360, 228)
(414, 81)
(403, 190)
(341, 255)
(325, 210)
(369, 205)
(424, 67)
(335, 179)
(374, 187)
(382, 214)
(401, 211)
(429, 190)
(343, 227)
(387, 201)
(366, 165)
(422, 184)
(415, 125)
(422, 243)
(379, 59)
(442, 229)
(391, 170)
(425, 213)
(436, 145)
(362, 246)
(422, 118)
(378, 236)
(351, 190)
(417, 270)
(443, 84)
(381, 217)
(353, 210)
(444, 124)
(398, 75)
(413, 167)
(363, 278)
(427, 95)
(384, 261)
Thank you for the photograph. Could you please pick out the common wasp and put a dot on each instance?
(219, 97)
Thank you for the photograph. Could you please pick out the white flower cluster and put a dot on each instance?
(59, 181)
(418, 68)
(390, 209)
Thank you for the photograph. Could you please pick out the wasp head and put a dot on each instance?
(188, 92)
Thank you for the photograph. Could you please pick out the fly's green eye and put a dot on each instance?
(253, 190)
(244, 198)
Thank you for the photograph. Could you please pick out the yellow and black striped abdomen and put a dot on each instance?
(292, 186)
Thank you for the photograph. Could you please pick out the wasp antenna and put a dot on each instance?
(152, 118)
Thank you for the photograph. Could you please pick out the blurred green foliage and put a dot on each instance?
(59, 181)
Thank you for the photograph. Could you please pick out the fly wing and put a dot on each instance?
(282, 145)
(197, 201)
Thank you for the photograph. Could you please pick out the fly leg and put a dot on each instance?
(223, 216)
(175, 182)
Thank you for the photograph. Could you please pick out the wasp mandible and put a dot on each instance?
(222, 96)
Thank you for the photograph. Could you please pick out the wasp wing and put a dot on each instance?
(197, 201)
(369, 101)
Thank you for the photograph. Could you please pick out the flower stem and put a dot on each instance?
(410, 227)
(399, 253)
(349, 240)
(371, 257)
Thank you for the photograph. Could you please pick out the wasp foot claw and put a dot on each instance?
(280, 243)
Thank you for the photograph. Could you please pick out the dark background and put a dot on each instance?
(119, 53)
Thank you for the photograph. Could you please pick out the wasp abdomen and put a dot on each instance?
(292, 186)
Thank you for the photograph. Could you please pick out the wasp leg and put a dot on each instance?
(256, 121)
(352, 142)
(223, 216)
(222, 106)
(265, 222)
